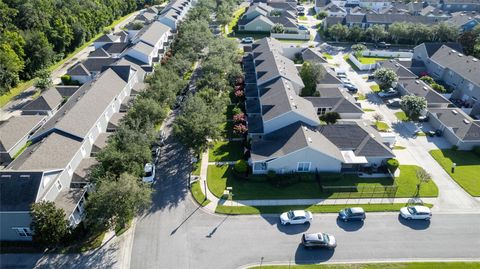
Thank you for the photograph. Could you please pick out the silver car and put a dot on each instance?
(320, 240)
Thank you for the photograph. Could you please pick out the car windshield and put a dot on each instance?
(325, 238)
(412, 210)
(348, 211)
(148, 174)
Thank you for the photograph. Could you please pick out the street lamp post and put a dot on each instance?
(205, 187)
(453, 167)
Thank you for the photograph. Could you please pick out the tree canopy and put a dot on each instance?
(49, 223)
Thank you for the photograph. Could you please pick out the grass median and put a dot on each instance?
(253, 210)
(198, 194)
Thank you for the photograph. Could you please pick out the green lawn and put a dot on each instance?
(224, 151)
(407, 265)
(258, 187)
(235, 17)
(328, 56)
(466, 171)
(375, 88)
(362, 97)
(302, 18)
(401, 116)
(197, 166)
(382, 126)
(399, 147)
(253, 210)
(368, 109)
(198, 194)
(370, 60)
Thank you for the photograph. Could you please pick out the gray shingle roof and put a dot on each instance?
(54, 152)
(100, 142)
(143, 48)
(460, 20)
(289, 139)
(80, 175)
(68, 199)
(66, 90)
(100, 53)
(115, 48)
(152, 33)
(432, 47)
(420, 88)
(115, 120)
(313, 55)
(107, 38)
(335, 104)
(78, 70)
(11, 182)
(466, 66)
(82, 117)
(15, 128)
(255, 124)
(362, 140)
(47, 101)
(400, 70)
(97, 64)
(461, 124)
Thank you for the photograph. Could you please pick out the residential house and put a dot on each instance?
(150, 43)
(456, 70)
(313, 55)
(431, 11)
(463, 22)
(336, 100)
(419, 88)
(375, 4)
(394, 65)
(67, 138)
(261, 17)
(119, 37)
(370, 19)
(85, 71)
(14, 134)
(456, 126)
(460, 5)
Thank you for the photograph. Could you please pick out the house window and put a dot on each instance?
(59, 185)
(260, 166)
(303, 167)
(70, 170)
(470, 87)
(322, 110)
(24, 232)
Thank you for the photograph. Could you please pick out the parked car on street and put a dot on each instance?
(423, 119)
(149, 171)
(341, 76)
(383, 45)
(296, 217)
(320, 240)
(247, 40)
(416, 212)
(394, 103)
(352, 213)
(388, 93)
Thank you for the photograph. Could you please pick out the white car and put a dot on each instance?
(416, 212)
(296, 217)
(388, 93)
(149, 170)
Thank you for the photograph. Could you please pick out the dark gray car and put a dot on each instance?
(352, 213)
(320, 240)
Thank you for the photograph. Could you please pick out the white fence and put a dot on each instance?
(299, 36)
(359, 65)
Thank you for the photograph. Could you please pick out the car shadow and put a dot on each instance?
(350, 226)
(313, 255)
(292, 229)
(414, 224)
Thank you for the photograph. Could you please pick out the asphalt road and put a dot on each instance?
(176, 233)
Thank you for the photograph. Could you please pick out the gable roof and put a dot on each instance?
(107, 38)
(78, 70)
(460, 20)
(152, 33)
(100, 53)
(292, 138)
(97, 64)
(312, 55)
(336, 104)
(467, 67)
(82, 117)
(432, 47)
(460, 123)
(47, 101)
(11, 182)
(116, 47)
(400, 70)
(362, 140)
(143, 48)
(419, 88)
(15, 128)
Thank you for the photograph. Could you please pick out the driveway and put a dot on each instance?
(451, 196)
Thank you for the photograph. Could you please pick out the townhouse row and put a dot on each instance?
(66, 126)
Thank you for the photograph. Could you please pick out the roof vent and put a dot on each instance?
(417, 81)
(425, 88)
(460, 55)
(309, 139)
(453, 51)
(454, 112)
(294, 105)
(466, 121)
(475, 59)
(291, 97)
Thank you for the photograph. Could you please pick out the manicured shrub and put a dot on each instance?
(241, 166)
(66, 79)
(427, 79)
(439, 88)
(392, 165)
